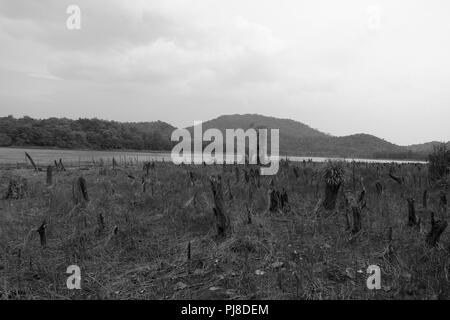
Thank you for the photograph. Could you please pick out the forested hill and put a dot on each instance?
(296, 138)
(85, 134)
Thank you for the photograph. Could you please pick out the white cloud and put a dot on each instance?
(338, 66)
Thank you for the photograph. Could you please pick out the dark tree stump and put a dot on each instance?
(246, 176)
(443, 201)
(284, 198)
(331, 194)
(379, 188)
(222, 219)
(79, 191)
(100, 222)
(189, 251)
(437, 228)
(354, 210)
(356, 219)
(425, 199)
(296, 172)
(273, 198)
(42, 234)
(230, 193)
(31, 161)
(146, 168)
(49, 175)
(412, 219)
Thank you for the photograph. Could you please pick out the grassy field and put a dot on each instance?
(16, 156)
(153, 235)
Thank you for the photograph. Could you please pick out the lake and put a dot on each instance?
(44, 157)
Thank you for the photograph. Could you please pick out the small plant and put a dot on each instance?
(17, 189)
(334, 175)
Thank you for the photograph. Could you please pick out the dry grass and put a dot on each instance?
(142, 250)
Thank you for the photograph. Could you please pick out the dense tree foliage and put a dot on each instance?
(85, 133)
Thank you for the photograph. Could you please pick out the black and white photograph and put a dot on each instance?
(224, 155)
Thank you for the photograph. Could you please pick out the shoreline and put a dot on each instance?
(45, 155)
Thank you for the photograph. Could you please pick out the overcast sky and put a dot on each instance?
(344, 67)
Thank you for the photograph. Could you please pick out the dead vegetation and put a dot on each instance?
(159, 231)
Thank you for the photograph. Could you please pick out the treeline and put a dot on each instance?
(84, 134)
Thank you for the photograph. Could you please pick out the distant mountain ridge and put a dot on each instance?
(287, 127)
(84, 134)
(296, 138)
(425, 147)
(299, 139)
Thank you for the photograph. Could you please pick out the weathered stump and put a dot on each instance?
(379, 188)
(331, 194)
(79, 191)
(354, 208)
(425, 199)
(246, 176)
(296, 172)
(443, 202)
(42, 234)
(356, 219)
(437, 228)
(272, 200)
(412, 219)
(100, 222)
(49, 175)
(222, 218)
(31, 161)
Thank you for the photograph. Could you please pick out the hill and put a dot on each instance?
(299, 139)
(425, 147)
(296, 138)
(84, 133)
(287, 127)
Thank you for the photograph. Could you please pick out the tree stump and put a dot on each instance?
(49, 175)
(42, 234)
(443, 202)
(31, 161)
(437, 228)
(246, 176)
(379, 188)
(412, 219)
(79, 191)
(272, 200)
(296, 172)
(331, 194)
(222, 218)
(354, 223)
(425, 199)
(100, 222)
(356, 219)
